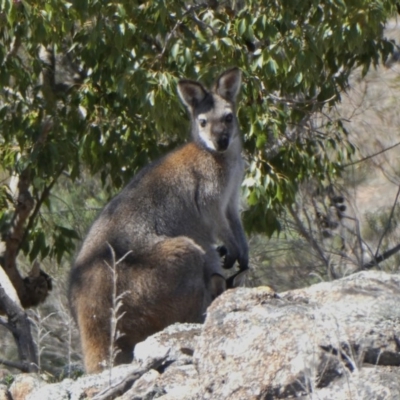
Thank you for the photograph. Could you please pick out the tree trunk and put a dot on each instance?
(19, 325)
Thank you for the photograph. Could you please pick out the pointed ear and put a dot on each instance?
(228, 84)
(191, 93)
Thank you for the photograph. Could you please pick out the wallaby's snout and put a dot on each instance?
(223, 142)
(224, 131)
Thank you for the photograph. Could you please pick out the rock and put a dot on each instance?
(333, 340)
(24, 384)
(377, 383)
(85, 387)
(179, 377)
(255, 345)
(144, 388)
(366, 305)
(178, 340)
(4, 393)
(179, 382)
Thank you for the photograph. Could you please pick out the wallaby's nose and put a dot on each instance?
(223, 142)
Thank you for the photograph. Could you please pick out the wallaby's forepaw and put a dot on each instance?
(222, 251)
(229, 261)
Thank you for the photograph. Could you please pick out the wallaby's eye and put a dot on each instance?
(228, 118)
(202, 122)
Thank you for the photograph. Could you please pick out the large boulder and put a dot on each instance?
(255, 345)
(332, 340)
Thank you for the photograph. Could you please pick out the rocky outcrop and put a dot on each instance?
(333, 340)
(321, 337)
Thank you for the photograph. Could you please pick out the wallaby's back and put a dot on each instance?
(162, 230)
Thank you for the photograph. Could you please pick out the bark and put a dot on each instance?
(19, 325)
(33, 289)
(24, 206)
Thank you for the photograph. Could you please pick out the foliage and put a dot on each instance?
(91, 85)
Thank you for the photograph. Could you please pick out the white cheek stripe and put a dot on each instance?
(206, 140)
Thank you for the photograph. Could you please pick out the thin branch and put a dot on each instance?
(38, 205)
(299, 102)
(371, 156)
(177, 25)
(308, 236)
(121, 387)
(388, 223)
(381, 257)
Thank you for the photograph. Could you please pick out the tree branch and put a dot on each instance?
(178, 23)
(13, 364)
(39, 203)
(379, 258)
(5, 324)
(121, 387)
(388, 223)
(24, 206)
(21, 330)
(371, 156)
(310, 239)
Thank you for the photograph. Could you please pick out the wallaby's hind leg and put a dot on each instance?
(171, 284)
(172, 287)
(95, 337)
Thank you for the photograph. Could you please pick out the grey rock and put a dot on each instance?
(24, 384)
(4, 393)
(144, 388)
(333, 340)
(178, 340)
(180, 382)
(365, 306)
(255, 345)
(367, 383)
(84, 387)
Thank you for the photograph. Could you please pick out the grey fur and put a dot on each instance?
(169, 217)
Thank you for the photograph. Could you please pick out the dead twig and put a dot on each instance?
(121, 387)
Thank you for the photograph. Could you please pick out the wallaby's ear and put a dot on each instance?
(191, 93)
(237, 280)
(228, 84)
(218, 285)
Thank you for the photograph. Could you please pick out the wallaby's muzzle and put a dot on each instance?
(223, 142)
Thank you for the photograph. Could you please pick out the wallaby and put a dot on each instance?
(167, 222)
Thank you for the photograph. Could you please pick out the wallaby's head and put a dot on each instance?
(213, 114)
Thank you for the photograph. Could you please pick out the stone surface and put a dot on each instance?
(144, 388)
(333, 340)
(4, 393)
(83, 387)
(269, 347)
(366, 306)
(24, 384)
(367, 383)
(179, 382)
(178, 340)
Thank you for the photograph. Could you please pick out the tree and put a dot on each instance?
(91, 85)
